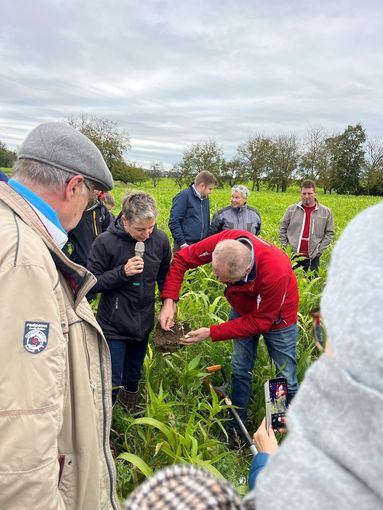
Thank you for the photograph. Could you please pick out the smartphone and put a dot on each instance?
(276, 402)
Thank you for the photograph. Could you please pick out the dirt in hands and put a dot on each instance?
(168, 341)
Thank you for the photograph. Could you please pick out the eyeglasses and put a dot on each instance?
(91, 190)
(318, 329)
(91, 194)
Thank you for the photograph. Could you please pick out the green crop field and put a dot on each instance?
(180, 419)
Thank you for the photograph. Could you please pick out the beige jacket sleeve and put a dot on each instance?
(329, 232)
(283, 226)
(32, 368)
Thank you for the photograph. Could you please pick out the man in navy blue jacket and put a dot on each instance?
(189, 220)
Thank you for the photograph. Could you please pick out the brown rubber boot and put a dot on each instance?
(128, 399)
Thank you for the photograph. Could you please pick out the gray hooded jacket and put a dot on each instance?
(332, 457)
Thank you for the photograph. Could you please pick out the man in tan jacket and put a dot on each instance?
(308, 227)
(55, 377)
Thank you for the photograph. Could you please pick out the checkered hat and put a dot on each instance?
(184, 487)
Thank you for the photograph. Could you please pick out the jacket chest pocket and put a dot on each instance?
(319, 226)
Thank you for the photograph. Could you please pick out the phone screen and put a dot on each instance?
(276, 402)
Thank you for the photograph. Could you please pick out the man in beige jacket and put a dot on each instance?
(308, 227)
(55, 377)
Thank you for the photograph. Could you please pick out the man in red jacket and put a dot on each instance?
(262, 290)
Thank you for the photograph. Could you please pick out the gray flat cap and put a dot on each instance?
(64, 147)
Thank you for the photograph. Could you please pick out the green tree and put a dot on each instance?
(372, 170)
(255, 156)
(7, 157)
(201, 156)
(283, 161)
(314, 157)
(347, 154)
(327, 171)
(155, 172)
(232, 172)
(128, 172)
(111, 140)
(177, 174)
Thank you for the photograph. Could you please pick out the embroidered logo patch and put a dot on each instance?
(36, 336)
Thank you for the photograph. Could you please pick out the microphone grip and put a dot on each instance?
(139, 251)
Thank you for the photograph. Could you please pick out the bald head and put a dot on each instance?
(231, 261)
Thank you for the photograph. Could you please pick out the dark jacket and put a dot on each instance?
(126, 309)
(189, 217)
(93, 222)
(267, 301)
(238, 218)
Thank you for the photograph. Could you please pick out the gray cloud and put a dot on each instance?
(174, 73)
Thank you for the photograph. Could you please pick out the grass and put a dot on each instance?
(181, 420)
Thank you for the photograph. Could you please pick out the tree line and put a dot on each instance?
(346, 162)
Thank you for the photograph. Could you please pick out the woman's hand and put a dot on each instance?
(265, 440)
(135, 265)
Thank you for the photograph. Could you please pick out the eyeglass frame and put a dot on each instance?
(89, 187)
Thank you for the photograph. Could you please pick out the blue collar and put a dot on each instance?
(37, 202)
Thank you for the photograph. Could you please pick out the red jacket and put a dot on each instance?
(267, 302)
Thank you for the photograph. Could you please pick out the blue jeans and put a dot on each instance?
(127, 361)
(281, 345)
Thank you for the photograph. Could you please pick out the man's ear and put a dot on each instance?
(73, 186)
(200, 187)
(248, 269)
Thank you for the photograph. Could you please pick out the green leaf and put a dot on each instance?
(138, 462)
(209, 467)
(156, 424)
(194, 363)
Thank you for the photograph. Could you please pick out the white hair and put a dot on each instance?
(241, 189)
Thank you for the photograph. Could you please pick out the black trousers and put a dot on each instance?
(307, 264)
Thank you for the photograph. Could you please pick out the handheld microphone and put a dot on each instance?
(139, 249)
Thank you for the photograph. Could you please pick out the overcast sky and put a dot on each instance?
(173, 73)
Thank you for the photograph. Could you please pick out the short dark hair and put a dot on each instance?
(308, 183)
(206, 178)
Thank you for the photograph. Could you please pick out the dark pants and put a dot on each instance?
(307, 264)
(127, 361)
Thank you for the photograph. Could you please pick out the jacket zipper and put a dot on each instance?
(202, 224)
(91, 383)
(104, 435)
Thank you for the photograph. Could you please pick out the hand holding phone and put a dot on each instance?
(276, 402)
(264, 439)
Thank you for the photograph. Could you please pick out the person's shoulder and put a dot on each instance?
(293, 207)
(104, 211)
(324, 207)
(223, 210)
(106, 238)
(160, 235)
(21, 244)
(183, 192)
(253, 209)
